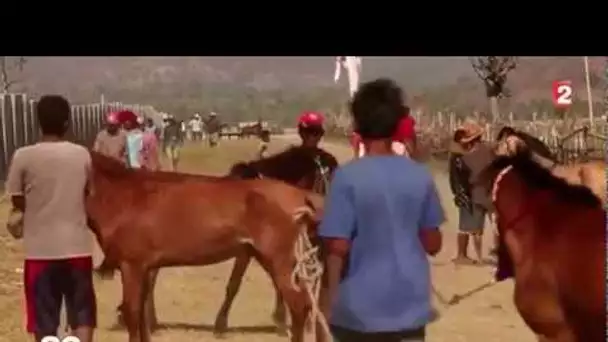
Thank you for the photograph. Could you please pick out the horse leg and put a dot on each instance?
(279, 268)
(279, 316)
(150, 307)
(241, 262)
(134, 286)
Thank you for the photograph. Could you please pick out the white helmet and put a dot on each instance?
(165, 116)
(212, 114)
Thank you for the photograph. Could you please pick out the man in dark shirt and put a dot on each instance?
(459, 175)
(479, 156)
(172, 141)
(213, 126)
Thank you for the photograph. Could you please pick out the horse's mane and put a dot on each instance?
(115, 169)
(296, 159)
(537, 177)
(536, 145)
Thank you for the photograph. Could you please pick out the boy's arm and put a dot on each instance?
(14, 181)
(432, 217)
(336, 231)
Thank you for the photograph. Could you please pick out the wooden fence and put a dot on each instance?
(18, 124)
(571, 139)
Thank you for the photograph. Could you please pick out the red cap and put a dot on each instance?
(405, 129)
(311, 119)
(127, 116)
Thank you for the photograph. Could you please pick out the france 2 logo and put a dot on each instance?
(57, 339)
(562, 94)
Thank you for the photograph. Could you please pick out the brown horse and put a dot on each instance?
(162, 221)
(552, 241)
(591, 174)
(307, 168)
(304, 167)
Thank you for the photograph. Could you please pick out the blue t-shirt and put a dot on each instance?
(134, 147)
(380, 203)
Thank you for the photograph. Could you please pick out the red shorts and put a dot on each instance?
(48, 283)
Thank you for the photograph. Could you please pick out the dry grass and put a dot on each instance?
(188, 298)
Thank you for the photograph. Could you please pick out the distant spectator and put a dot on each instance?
(264, 142)
(111, 141)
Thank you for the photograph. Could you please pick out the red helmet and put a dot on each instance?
(406, 130)
(127, 116)
(310, 120)
(113, 118)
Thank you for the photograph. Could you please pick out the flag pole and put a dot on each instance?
(589, 97)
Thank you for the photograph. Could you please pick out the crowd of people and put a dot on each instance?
(383, 213)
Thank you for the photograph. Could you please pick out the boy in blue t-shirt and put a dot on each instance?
(381, 221)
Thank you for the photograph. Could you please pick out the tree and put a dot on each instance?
(493, 71)
(10, 68)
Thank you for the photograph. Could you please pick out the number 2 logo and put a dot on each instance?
(562, 93)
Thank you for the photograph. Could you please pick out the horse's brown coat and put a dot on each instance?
(147, 220)
(555, 234)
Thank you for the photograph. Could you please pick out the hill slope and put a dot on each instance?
(185, 83)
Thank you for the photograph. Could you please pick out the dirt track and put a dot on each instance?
(188, 298)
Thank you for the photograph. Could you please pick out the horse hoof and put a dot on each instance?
(219, 334)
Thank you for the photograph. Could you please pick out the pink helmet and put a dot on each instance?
(113, 118)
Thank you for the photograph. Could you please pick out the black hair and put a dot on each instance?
(53, 113)
(505, 132)
(377, 108)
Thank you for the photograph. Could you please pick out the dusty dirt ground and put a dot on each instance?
(188, 298)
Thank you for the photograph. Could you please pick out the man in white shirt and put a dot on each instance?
(196, 126)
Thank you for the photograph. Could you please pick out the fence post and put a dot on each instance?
(584, 143)
(76, 118)
(19, 119)
(34, 129)
(9, 127)
(4, 100)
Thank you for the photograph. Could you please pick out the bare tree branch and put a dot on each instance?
(493, 71)
(9, 71)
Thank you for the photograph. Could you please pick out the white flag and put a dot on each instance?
(339, 64)
(352, 65)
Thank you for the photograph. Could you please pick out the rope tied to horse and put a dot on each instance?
(307, 272)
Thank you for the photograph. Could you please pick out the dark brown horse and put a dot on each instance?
(307, 168)
(252, 130)
(552, 241)
(162, 220)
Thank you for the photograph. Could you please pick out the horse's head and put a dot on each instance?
(514, 180)
(300, 166)
(509, 146)
(526, 197)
